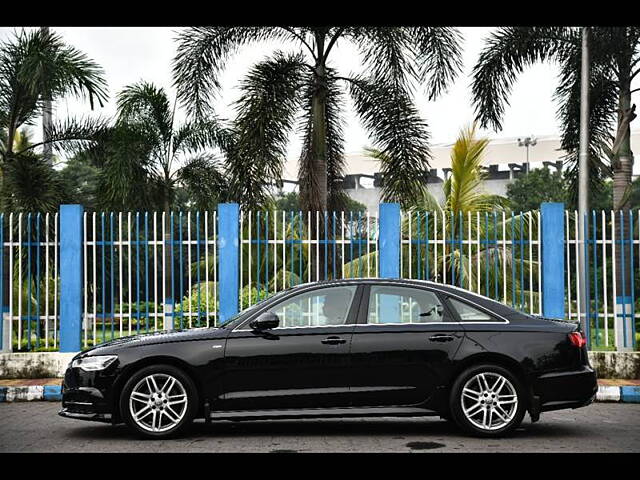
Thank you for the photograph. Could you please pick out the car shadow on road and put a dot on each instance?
(329, 428)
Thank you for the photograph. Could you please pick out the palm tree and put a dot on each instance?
(283, 85)
(146, 158)
(145, 161)
(615, 62)
(38, 65)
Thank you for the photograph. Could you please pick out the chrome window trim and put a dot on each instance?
(303, 326)
(429, 287)
(426, 323)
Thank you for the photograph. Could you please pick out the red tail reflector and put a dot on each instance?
(577, 339)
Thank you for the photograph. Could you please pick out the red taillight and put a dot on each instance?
(577, 339)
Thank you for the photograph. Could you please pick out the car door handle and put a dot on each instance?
(333, 341)
(441, 338)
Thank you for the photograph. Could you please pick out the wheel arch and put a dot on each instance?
(497, 359)
(131, 369)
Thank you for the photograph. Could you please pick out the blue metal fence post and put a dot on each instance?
(70, 277)
(228, 254)
(553, 273)
(389, 240)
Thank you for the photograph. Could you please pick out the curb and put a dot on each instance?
(53, 393)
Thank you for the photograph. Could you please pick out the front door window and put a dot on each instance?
(326, 306)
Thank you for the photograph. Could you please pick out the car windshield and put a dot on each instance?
(231, 321)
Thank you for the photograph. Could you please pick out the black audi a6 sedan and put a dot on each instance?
(361, 347)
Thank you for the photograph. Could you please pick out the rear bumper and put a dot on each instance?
(572, 389)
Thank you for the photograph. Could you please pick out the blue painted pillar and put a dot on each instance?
(70, 277)
(553, 273)
(228, 254)
(389, 239)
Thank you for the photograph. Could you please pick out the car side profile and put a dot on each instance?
(344, 348)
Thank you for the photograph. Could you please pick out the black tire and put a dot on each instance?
(167, 370)
(456, 406)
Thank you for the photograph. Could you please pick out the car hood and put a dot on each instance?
(164, 336)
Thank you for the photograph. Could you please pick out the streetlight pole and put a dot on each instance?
(528, 142)
(583, 182)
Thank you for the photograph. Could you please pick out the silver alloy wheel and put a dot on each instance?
(158, 402)
(489, 400)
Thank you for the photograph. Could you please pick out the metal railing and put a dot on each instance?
(147, 271)
(490, 253)
(29, 279)
(610, 235)
(281, 249)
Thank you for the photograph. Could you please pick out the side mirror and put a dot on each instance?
(266, 321)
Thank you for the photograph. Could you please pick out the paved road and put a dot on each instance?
(601, 427)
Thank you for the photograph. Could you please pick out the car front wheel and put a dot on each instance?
(487, 400)
(158, 401)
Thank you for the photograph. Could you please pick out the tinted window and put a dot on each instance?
(326, 306)
(389, 304)
(467, 313)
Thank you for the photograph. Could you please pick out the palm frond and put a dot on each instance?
(145, 104)
(506, 53)
(386, 53)
(202, 54)
(398, 132)
(266, 112)
(30, 184)
(71, 134)
(438, 53)
(203, 177)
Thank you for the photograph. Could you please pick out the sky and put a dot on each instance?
(131, 54)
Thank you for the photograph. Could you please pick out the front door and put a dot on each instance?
(303, 363)
(402, 346)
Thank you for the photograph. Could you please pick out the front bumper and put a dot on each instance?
(92, 417)
(572, 389)
(87, 395)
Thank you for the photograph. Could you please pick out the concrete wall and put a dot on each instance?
(34, 364)
(616, 364)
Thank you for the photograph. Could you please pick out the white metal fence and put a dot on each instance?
(603, 245)
(148, 271)
(142, 270)
(29, 279)
(281, 249)
(491, 253)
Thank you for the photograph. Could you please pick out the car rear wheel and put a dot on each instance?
(158, 401)
(487, 400)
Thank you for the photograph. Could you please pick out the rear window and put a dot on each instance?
(467, 313)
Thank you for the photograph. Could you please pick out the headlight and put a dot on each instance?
(92, 364)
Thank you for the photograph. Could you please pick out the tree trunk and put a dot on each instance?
(622, 168)
(47, 120)
(314, 196)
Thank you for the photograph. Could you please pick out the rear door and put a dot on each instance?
(402, 347)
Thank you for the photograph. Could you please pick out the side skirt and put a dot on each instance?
(322, 413)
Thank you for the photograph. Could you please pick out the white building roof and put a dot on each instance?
(500, 151)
